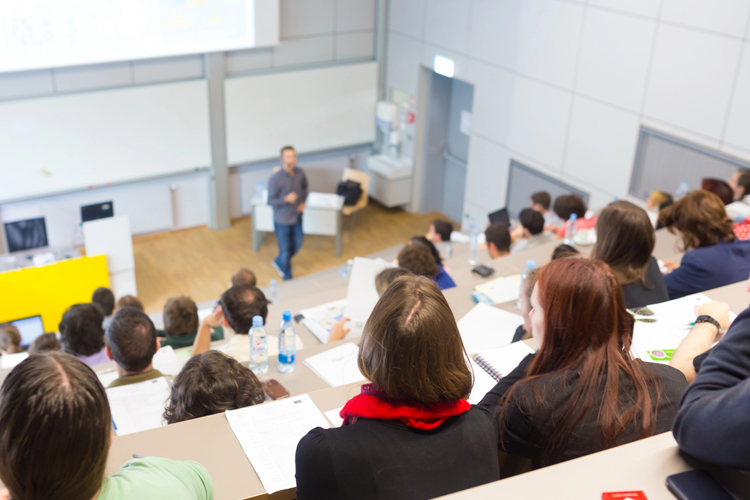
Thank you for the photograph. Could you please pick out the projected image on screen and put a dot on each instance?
(26, 234)
(53, 33)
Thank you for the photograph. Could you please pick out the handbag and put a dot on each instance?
(350, 190)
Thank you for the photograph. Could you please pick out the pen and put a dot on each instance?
(136, 455)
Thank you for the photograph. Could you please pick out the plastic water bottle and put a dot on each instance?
(682, 189)
(273, 292)
(345, 272)
(474, 244)
(570, 229)
(530, 265)
(258, 347)
(287, 344)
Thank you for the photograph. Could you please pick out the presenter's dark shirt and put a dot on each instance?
(281, 184)
(373, 459)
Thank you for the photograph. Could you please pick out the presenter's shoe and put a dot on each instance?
(278, 269)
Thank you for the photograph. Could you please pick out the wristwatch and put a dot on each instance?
(708, 319)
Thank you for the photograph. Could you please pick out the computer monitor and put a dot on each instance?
(97, 211)
(26, 234)
(30, 328)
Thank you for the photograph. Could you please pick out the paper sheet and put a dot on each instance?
(269, 434)
(337, 366)
(334, 418)
(108, 376)
(166, 361)
(138, 407)
(486, 327)
(323, 200)
(11, 360)
(483, 383)
(362, 295)
(321, 319)
(673, 323)
(501, 289)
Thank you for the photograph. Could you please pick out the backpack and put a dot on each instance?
(350, 190)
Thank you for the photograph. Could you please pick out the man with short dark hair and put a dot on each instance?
(541, 201)
(498, 240)
(244, 276)
(287, 192)
(440, 231)
(181, 323)
(132, 343)
(532, 231)
(235, 313)
(105, 299)
(735, 184)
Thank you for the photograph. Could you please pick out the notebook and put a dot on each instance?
(499, 290)
(337, 366)
(486, 327)
(501, 361)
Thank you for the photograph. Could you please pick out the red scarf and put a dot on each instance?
(374, 403)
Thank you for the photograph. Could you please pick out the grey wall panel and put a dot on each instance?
(303, 51)
(354, 15)
(26, 84)
(98, 76)
(168, 69)
(247, 60)
(305, 17)
(355, 45)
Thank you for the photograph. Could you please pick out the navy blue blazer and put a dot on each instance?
(710, 267)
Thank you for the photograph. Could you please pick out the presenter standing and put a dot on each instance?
(287, 192)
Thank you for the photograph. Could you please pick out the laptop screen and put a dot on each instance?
(500, 216)
(29, 328)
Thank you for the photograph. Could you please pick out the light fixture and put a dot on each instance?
(444, 66)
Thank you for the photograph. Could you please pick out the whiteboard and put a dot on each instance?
(71, 142)
(313, 110)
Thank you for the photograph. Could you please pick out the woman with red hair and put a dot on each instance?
(582, 391)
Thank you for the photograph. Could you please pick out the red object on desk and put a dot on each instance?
(624, 495)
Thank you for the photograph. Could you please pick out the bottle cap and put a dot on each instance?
(273, 282)
(286, 315)
(573, 217)
(530, 264)
(257, 321)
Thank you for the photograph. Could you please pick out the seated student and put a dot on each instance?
(523, 331)
(382, 282)
(433, 249)
(719, 188)
(128, 301)
(541, 201)
(625, 241)
(498, 240)
(714, 417)
(410, 434)
(181, 323)
(656, 198)
(694, 349)
(211, 383)
(740, 183)
(418, 259)
(235, 313)
(582, 392)
(105, 299)
(440, 231)
(244, 276)
(82, 335)
(562, 251)
(568, 204)
(45, 343)
(10, 340)
(132, 343)
(55, 434)
(532, 231)
(714, 256)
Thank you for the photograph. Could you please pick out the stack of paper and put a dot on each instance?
(106, 377)
(362, 295)
(269, 435)
(498, 290)
(138, 407)
(334, 417)
(11, 360)
(660, 328)
(166, 361)
(337, 366)
(320, 320)
(486, 327)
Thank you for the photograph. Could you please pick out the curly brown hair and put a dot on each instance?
(418, 259)
(700, 218)
(211, 383)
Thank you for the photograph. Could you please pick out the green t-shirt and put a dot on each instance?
(134, 379)
(155, 478)
(187, 340)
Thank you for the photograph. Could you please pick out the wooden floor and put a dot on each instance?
(199, 262)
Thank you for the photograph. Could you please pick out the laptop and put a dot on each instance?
(500, 216)
(30, 328)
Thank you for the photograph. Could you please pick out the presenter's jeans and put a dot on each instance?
(289, 238)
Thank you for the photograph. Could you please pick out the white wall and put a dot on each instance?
(564, 86)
